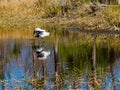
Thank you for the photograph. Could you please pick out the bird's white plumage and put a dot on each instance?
(39, 49)
(46, 54)
(44, 34)
(41, 32)
(39, 29)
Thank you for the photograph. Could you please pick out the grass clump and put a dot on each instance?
(52, 11)
(112, 17)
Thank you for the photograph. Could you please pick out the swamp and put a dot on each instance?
(82, 51)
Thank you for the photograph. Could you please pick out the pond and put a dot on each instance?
(75, 62)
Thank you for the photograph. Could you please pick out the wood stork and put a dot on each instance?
(40, 33)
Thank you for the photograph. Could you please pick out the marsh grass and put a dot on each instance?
(113, 15)
(16, 34)
(41, 7)
(34, 13)
(75, 78)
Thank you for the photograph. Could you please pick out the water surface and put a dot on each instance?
(77, 61)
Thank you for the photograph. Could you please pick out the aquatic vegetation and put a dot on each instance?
(74, 79)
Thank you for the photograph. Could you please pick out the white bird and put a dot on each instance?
(43, 55)
(40, 33)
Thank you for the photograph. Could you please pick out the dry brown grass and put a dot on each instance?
(16, 4)
(16, 7)
(36, 13)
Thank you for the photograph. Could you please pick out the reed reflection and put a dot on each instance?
(112, 60)
(94, 82)
(58, 79)
(2, 64)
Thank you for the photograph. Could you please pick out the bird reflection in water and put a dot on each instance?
(42, 54)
